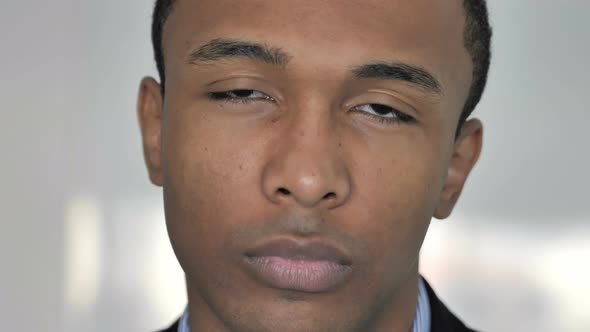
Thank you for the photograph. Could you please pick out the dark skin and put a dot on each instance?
(307, 148)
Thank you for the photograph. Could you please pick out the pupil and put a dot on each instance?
(381, 109)
(242, 93)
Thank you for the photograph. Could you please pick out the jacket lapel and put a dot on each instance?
(443, 320)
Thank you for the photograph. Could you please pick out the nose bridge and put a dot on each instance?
(309, 150)
(306, 167)
(310, 133)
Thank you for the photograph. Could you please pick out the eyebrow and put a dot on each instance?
(220, 48)
(402, 72)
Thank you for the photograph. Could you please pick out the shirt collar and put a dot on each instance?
(422, 317)
(183, 324)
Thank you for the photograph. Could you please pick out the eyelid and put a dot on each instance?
(382, 98)
(398, 98)
(392, 116)
(241, 82)
(245, 77)
(230, 96)
(252, 80)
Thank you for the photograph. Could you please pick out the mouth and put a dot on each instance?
(306, 266)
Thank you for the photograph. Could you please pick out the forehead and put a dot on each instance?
(325, 34)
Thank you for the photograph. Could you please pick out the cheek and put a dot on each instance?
(397, 195)
(208, 181)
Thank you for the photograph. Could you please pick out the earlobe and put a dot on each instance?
(466, 152)
(149, 114)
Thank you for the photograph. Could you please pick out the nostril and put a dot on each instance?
(329, 195)
(284, 191)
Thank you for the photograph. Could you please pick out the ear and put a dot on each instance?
(149, 114)
(465, 154)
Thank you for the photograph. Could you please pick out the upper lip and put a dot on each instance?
(290, 248)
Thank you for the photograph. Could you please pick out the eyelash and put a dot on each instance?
(242, 96)
(397, 116)
(234, 96)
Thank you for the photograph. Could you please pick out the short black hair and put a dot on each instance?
(477, 40)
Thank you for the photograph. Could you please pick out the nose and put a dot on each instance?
(307, 168)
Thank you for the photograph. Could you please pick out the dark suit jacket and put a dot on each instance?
(442, 320)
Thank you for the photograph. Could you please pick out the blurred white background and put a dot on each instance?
(83, 245)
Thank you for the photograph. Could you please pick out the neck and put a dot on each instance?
(397, 310)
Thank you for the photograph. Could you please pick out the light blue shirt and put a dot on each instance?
(421, 319)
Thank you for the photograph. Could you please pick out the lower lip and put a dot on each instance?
(299, 275)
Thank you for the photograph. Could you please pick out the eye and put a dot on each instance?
(384, 113)
(239, 95)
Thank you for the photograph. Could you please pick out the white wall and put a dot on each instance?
(82, 239)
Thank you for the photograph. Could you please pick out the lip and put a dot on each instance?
(307, 266)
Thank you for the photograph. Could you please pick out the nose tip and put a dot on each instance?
(306, 165)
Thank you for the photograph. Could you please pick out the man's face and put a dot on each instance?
(303, 149)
